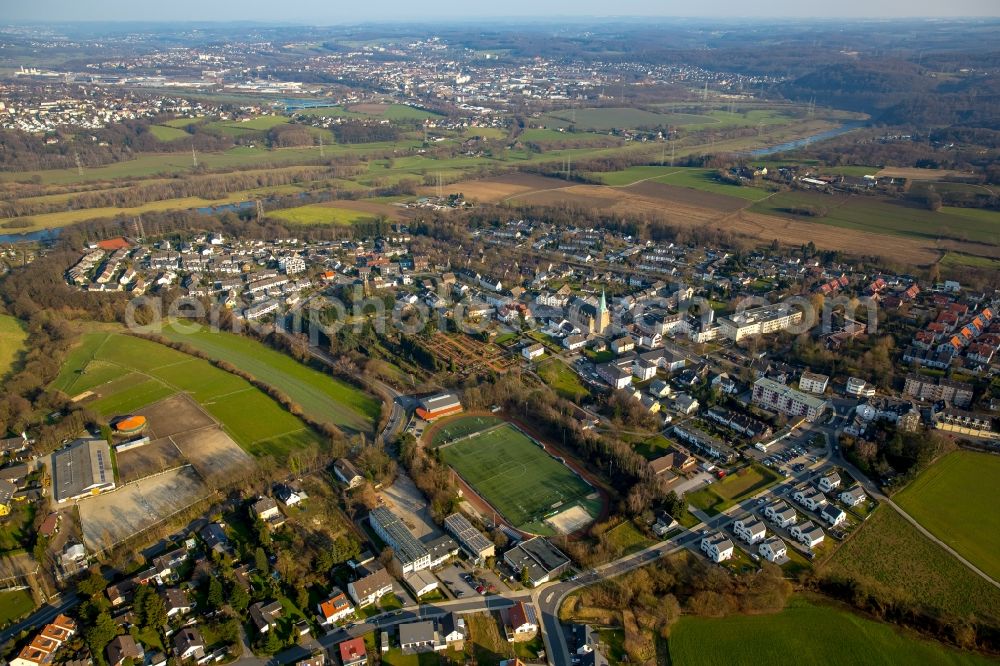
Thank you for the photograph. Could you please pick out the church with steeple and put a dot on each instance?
(596, 318)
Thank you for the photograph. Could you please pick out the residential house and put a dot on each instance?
(176, 602)
(265, 615)
(750, 529)
(828, 482)
(420, 637)
(774, 550)
(833, 515)
(717, 547)
(853, 496)
(808, 533)
(345, 470)
(188, 644)
(622, 345)
(522, 623)
(532, 352)
(353, 652)
(370, 588)
(781, 514)
(686, 403)
(812, 382)
(452, 631)
(266, 509)
(336, 608)
(121, 648)
(809, 497)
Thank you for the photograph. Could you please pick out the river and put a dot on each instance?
(799, 143)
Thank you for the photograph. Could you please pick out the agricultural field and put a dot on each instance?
(890, 551)
(621, 118)
(397, 112)
(66, 217)
(514, 474)
(12, 339)
(959, 260)
(323, 398)
(180, 162)
(732, 489)
(814, 633)
(888, 217)
(696, 179)
(167, 133)
(124, 373)
(320, 214)
(257, 125)
(562, 379)
(949, 499)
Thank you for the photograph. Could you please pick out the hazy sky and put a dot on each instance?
(325, 12)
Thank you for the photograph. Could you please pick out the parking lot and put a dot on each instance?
(453, 578)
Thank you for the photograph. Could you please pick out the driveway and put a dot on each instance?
(694, 483)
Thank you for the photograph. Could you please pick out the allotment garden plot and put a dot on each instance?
(527, 486)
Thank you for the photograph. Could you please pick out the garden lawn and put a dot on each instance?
(953, 499)
(14, 605)
(731, 489)
(562, 379)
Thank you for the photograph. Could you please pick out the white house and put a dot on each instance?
(335, 609)
(644, 369)
(574, 342)
(660, 389)
(808, 533)
(622, 345)
(773, 550)
(829, 482)
(833, 515)
(685, 404)
(810, 498)
(812, 382)
(533, 351)
(859, 388)
(781, 514)
(717, 546)
(750, 529)
(853, 497)
(371, 588)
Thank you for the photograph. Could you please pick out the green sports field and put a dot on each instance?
(322, 397)
(804, 633)
(514, 474)
(462, 426)
(127, 373)
(954, 499)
